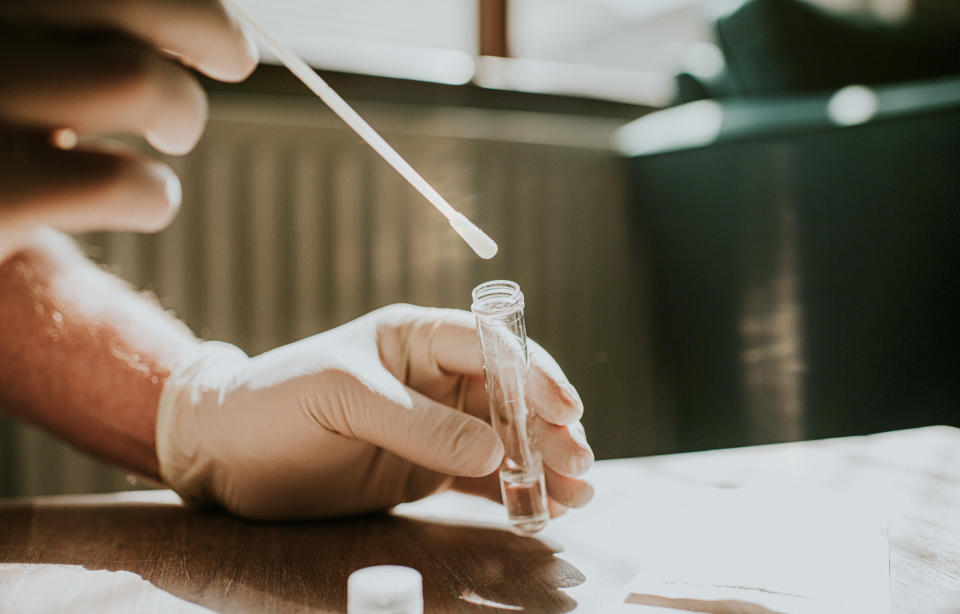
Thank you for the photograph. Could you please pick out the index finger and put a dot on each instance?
(200, 33)
(456, 349)
(549, 391)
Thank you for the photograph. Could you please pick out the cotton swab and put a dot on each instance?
(483, 245)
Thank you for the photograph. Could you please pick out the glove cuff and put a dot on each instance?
(194, 390)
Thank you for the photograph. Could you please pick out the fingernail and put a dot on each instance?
(585, 495)
(584, 460)
(157, 212)
(570, 394)
(252, 50)
(172, 188)
(578, 434)
(252, 53)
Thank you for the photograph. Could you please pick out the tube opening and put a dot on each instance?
(496, 298)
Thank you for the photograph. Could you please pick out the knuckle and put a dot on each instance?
(397, 311)
(457, 317)
(141, 78)
(341, 402)
(206, 12)
(136, 75)
(213, 9)
(119, 172)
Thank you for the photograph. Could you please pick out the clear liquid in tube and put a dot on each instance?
(525, 497)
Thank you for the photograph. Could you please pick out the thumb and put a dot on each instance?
(431, 435)
(447, 440)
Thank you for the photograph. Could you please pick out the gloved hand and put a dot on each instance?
(386, 409)
(98, 67)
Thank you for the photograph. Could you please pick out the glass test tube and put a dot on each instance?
(498, 307)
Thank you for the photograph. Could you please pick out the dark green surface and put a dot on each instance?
(860, 223)
(789, 46)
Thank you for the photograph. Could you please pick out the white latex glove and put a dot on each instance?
(386, 409)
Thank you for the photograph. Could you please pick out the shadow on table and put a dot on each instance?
(230, 565)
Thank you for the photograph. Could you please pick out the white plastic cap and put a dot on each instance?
(385, 589)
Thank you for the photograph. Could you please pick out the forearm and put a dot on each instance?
(84, 356)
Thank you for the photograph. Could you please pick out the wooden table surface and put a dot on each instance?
(143, 551)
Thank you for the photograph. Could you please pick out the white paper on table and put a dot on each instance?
(790, 549)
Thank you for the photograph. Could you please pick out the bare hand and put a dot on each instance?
(93, 67)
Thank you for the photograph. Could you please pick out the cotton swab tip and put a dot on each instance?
(479, 242)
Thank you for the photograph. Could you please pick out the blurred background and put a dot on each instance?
(734, 222)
